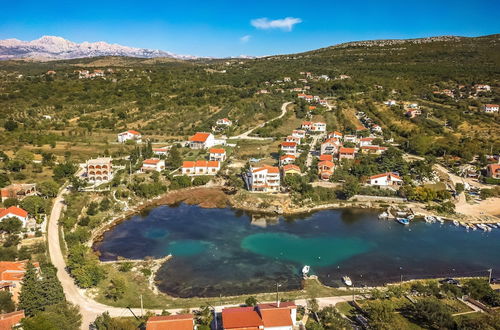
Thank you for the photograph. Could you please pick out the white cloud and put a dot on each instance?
(245, 39)
(285, 24)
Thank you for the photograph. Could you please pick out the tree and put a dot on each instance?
(251, 301)
(64, 170)
(431, 313)
(61, 316)
(332, 319)
(10, 202)
(350, 188)
(115, 290)
(181, 181)
(4, 180)
(30, 299)
(381, 314)
(6, 303)
(204, 315)
(10, 125)
(106, 322)
(48, 188)
(24, 156)
(459, 187)
(34, 205)
(174, 159)
(313, 305)
(11, 225)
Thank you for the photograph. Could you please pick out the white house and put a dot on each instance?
(318, 127)
(482, 88)
(264, 179)
(347, 153)
(130, 135)
(330, 146)
(201, 140)
(153, 164)
(224, 122)
(335, 134)
(14, 212)
(287, 159)
(300, 133)
(376, 129)
(351, 138)
(217, 154)
(200, 167)
(367, 141)
(323, 102)
(490, 108)
(161, 151)
(385, 179)
(99, 170)
(291, 138)
(289, 148)
(306, 125)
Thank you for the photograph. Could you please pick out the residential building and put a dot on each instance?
(316, 98)
(217, 154)
(347, 153)
(490, 108)
(335, 134)
(241, 318)
(324, 77)
(412, 106)
(351, 139)
(201, 140)
(330, 146)
(224, 122)
(308, 98)
(323, 102)
(200, 167)
(290, 169)
(161, 151)
(287, 79)
(493, 171)
(374, 150)
(11, 276)
(153, 164)
(130, 135)
(14, 212)
(482, 88)
(300, 133)
(318, 127)
(11, 320)
(367, 141)
(171, 322)
(326, 157)
(289, 148)
(99, 170)
(291, 138)
(264, 179)
(287, 159)
(306, 125)
(385, 179)
(412, 113)
(280, 316)
(376, 129)
(18, 191)
(390, 102)
(325, 169)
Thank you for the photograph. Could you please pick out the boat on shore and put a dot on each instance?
(429, 219)
(305, 270)
(492, 225)
(403, 221)
(472, 226)
(347, 280)
(463, 224)
(456, 223)
(441, 220)
(383, 215)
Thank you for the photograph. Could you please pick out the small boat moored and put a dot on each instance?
(347, 280)
(456, 223)
(383, 215)
(403, 221)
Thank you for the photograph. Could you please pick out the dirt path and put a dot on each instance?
(246, 136)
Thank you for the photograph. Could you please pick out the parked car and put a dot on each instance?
(449, 281)
(495, 280)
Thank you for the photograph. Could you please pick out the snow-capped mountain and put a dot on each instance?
(56, 48)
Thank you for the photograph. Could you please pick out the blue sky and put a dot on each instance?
(252, 27)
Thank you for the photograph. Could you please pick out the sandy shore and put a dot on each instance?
(486, 210)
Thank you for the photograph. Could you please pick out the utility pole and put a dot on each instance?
(277, 295)
(489, 277)
(142, 307)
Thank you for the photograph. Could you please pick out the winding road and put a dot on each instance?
(245, 135)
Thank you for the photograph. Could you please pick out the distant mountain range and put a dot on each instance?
(57, 48)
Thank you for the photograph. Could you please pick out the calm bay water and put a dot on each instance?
(222, 251)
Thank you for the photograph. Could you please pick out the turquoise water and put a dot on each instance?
(224, 251)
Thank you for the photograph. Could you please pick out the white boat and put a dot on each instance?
(429, 219)
(456, 223)
(347, 280)
(439, 219)
(305, 270)
(471, 226)
(410, 217)
(383, 215)
(463, 224)
(492, 225)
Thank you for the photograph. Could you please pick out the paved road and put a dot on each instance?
(247, 133)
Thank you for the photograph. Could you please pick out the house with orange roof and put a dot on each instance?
(241, 318)
(200, 167)
(323, 102)
(217, 154)
(290, 169)
(287, 159)
(330, 146)
(289, 148)
(335, 134)
(171, 322)
(351, 139)
(306, 125)
(300, 133)
(385, 179)
(14, 212)
(11, 276)
(414, 112)
(153, 164)
(273, 316)
(202, 140)
(263, 179)
(130, 135)
(318, 127)
(493, 171)
(291, 138)
(325, 169)
(366, 141)
(224, 122)
(347, 153)
(99, 170)
(18, 191)
(376, 129)
(161, 151)
(11, 320)
(326, 157)
(490, 108)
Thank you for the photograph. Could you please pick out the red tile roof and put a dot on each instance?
(276, 317)
(287, 156)
(217, 151)
(336, 133)
(133, 132)
(151, 161)
(7, 321)
(199, 137)
(241, 318)
(326, 157)
(188, 163)
(291, 167)
(347, 150)
(282, 305)
(170, 322)
(13, 210)
(394, 175)
(288, 144)
(213, 163)
(331, 140)
(270, 169)
(326, 163)
(13, 270)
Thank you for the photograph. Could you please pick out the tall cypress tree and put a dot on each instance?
(30, 299)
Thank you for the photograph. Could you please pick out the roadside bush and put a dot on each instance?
(201, 180)
(179, 182)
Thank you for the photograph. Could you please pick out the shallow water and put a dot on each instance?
(221, 251)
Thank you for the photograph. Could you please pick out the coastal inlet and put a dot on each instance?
(230, 252)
